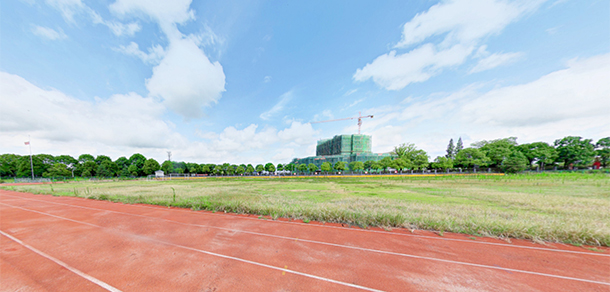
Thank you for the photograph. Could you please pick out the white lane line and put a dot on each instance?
(149, 239)
(312, 225)
(73, 270)
(357, 248)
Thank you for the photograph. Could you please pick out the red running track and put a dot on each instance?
(70, 244)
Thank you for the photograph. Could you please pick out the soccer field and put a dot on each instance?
(565, 207)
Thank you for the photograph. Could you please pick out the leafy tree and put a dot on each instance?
(107, 168)
(57, 170)
(150, 166)
(311, 167)
(302, 167)
(218, 170)
(250, 169)
(385, 162)
(193, 167)
(66, 160)
(179, 167)
(270, 167)
(603, 150)
(240, 170)
(260, 168)
(450, 150)
(25, 170)
(368, 165)
(167, 167)
(459, 146)
(89, 168)
(471, 157)
(230, 170)
(289, 167)
(356, 165)
(85, 157)
(515, 162)
(326, 167)
(400, 164)
(8, 164)
(415, 158)
(133, 170)
(443, 163)
(123, 165)
(574, 150)
(538, 152)
(137, 160)
(376, 166)
(101, 158)
(280, 167)
(497, 150)
(204, 168)
(339, 166)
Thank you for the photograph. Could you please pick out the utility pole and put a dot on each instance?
(31, 163)
(169, 155)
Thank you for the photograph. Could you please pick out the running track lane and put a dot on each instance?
(135, 247)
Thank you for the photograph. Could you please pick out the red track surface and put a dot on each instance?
(60, 243)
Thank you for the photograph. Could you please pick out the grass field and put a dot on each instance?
(571, 208)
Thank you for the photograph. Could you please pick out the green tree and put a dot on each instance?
(85, 157)
(311, 167)
(24, 168)
(167, 167)
(603, 150)
(339, 166)
(137, 160)
(57, 170)
(204, 168)
(368, 165)
(133, 170)
(415, 158)
(218, 170)
(497, 150)
(356, 166)
(376, 166)
(459, 146)
(326, 167)
(193, 167)
(515, 162)
(123, 165)
(8, 164)
(400, 164)
(280, 167)
(89, 168)
(250, 169)
(101, 158)
(574, 150)
(240, 170)
(260, 168)
(471, 157)
(442, 163)
(107, 168)
(270, 167)
(538, 152)
(302, 167)
(150, 166)
(450, 150)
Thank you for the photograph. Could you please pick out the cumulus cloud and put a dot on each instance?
(166, 13)
(570, 101)
(49, 33)
(464, 23)
(122, 120)
(278, 107)
(186, 79)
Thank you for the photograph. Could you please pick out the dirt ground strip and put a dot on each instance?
(52, 243)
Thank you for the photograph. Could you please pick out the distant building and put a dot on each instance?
(345, 148)
(159, 173)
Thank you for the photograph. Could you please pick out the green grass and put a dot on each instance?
(568, 207)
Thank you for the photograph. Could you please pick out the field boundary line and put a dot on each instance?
(286, 270)
(160, 208)
(59, 262)
(148, 239)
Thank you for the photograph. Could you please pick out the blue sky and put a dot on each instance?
(241, 81)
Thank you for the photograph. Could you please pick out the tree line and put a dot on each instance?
(501, 154)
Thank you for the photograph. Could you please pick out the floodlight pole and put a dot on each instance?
(31, 163)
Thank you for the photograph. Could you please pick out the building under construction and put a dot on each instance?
(345, 148)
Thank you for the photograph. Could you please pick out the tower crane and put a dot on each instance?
(359, 117)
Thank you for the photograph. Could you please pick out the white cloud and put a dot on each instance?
(394, 72)
(166, 13)
(154, 55)
(356, 102)
(278, 107)
(350, 92)
(186, 79)
(67, 7)
(49, 33)
(325, 115)
(571, 101)
(464, 23)
(267, 79)
(494, 60)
